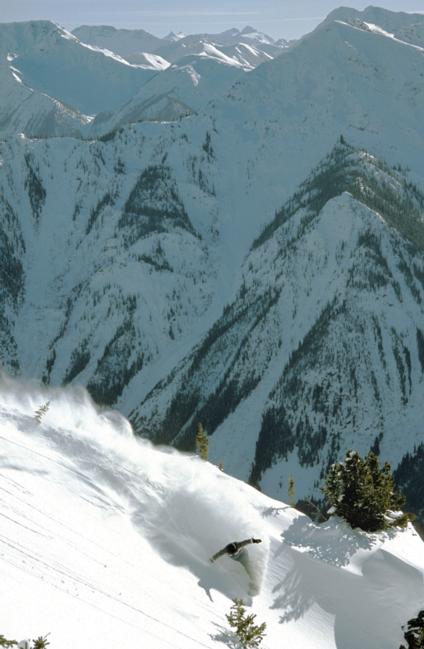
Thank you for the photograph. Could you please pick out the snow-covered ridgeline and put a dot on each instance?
(96, 83)
(181, 91)
(30, 111)
(52, 62)
(244, 49)
(407, 27)
(128, 43)
(105, 539)
(64, 77)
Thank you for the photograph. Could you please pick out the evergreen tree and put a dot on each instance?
(363, 494)
(40, 643)
(414, 635)
(291, 491)
(202, 442)
(250, 635)
(41, 411)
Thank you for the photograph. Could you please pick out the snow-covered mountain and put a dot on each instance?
(52, 61)
(172, 36)
(128, 43)
(408, 27)
(54, 83)
(244, 49)
(23, 109)
(182, 90)
(130, 258)
(105, 542)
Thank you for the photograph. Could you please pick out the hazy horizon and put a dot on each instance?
(278, 18)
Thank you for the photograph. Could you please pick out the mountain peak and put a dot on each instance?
(25, 35)
(406, 27)
(172, 36)
(249, 30)
(382, 16)
(368, 180)
(256, 35)
(31, 27)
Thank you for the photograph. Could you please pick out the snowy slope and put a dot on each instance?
(128, 43)
(245, 49)
(151, 61)
(51, 60)
(248, 55)
(24, 110)
(408, 27)
(180, 91)
(118, 248)
(242, 55)
(104, 541)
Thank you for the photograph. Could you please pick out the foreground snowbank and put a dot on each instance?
(105, 541)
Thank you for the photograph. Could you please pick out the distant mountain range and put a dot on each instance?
(245, 49)
(198, 240)
(54, 83)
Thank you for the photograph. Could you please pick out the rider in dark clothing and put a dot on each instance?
(237, 551)
(234, 549)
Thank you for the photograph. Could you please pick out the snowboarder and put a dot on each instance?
(235, 550)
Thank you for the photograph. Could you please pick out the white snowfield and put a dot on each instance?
(105, 542)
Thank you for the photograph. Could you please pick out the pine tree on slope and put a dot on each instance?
(363, 494)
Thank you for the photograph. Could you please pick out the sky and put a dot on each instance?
(279, 18)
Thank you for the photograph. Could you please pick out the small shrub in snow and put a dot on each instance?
(363, 494)
(414, 635)
(249, 634)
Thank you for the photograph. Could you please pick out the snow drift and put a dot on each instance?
(105, 541)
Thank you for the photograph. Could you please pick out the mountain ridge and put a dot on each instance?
(52, 61)
(131, 43)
